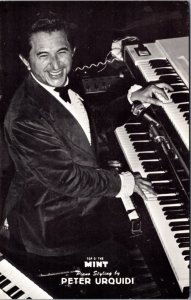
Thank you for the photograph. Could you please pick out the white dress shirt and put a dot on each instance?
(76, 107)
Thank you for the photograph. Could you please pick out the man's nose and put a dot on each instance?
(55, 62)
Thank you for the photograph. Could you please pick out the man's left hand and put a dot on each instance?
(143, 185)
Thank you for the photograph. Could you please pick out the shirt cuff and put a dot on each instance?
(133, 89)
(127, 184)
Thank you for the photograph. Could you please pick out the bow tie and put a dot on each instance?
(63, 93)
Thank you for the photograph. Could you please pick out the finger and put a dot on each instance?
(152, 101)
(143, 182)
(157, 90)
(140, 193)
(145, 185)
(165, 86)
(148, 189)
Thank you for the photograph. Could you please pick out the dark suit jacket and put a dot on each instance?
(55, 200)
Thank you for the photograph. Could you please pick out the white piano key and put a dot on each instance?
(174, 204)
(3, 295)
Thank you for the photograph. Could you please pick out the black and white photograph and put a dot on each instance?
(94, 150)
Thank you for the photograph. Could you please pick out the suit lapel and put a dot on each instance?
(64, 122)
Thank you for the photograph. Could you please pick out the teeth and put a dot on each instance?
(56, 73)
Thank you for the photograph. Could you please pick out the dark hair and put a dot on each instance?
(46, 23)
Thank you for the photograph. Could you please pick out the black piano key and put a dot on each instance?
(147, 156)
(139, 137)
(166, 70)
(143, 146)
(187, 258)
(2, 277)
(158, 176)
(187, 116)
(167, 201)
(12, 290)
(180, 223)
(18, 294)
(179, 228)
(168, 197)
(162, 190)
(182, 240)
(168, 186)
(179, 87)
(180, 97)
(150, 167)
(184, 245)
(181, 234)
(4, 283)
(175, 216)
(183, 107)
(135, 128)
(173, 208)
(159, 63)
(170, 79)
(185, 252)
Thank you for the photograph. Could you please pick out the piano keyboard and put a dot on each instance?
(166, 57)
(166, 209)
(15, 285)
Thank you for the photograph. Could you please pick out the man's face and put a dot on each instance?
(50, 57)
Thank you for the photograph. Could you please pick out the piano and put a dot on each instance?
(15, 285)
(164, 61)
(168, 61)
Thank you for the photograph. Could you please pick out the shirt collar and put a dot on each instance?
(48, 87)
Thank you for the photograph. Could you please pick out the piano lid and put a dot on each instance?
(177, 52)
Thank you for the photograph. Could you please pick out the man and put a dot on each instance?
(56, 199)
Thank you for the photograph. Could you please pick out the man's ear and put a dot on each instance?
(26, 63)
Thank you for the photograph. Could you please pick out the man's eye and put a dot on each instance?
(63, 51)
(43, 55)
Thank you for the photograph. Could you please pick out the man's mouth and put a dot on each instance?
(56, 74)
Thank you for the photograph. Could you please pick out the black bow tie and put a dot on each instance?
(63, 93)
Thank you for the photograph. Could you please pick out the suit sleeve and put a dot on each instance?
(42, 153)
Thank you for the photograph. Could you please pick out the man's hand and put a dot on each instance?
(142, 185)
(152, 93)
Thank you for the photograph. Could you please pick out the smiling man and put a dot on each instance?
(50, 57)
(57, 201)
